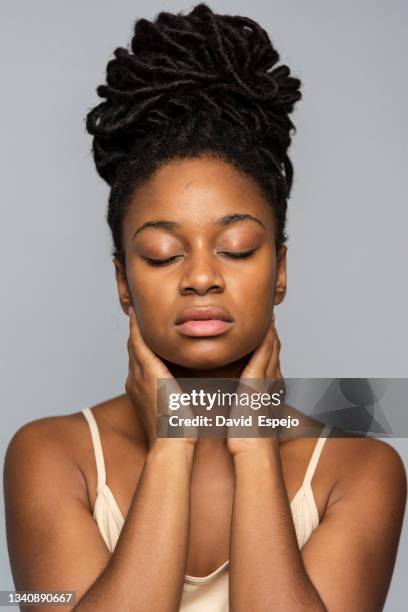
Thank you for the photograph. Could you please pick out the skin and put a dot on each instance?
(347, 562)
(196, 193)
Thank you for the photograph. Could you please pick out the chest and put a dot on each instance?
(210, 524)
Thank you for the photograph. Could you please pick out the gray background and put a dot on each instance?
(63, 333)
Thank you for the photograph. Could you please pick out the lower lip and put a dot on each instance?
(206, 327)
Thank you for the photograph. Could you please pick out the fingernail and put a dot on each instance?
(273, 317)
(130, 309)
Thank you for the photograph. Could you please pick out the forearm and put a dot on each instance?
(146, 570)
(266, 567)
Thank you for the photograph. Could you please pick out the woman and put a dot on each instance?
(193, 139)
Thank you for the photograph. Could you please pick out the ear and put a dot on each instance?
(281, 275)
(123, 288)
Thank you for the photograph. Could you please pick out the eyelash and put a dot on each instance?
(163, 262)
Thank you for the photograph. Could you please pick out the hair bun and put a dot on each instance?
(180, 64)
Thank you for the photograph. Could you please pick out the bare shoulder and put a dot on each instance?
(41, 476)
(42, 435)
(59, 434)
(69, 432)
(60, 447)
(367, 467)
(52, 536)
(43, 449)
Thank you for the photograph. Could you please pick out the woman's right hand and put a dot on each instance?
(145, 367)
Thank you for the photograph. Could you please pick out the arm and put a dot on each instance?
(54, 542)
(53, 539)
(266, 569)
(347, 562)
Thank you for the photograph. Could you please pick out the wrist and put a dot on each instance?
(259, 448)
(170, 446)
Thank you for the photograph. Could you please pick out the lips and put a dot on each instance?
(200, 313)
(204, 321)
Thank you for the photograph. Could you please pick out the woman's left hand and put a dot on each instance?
(263, 366)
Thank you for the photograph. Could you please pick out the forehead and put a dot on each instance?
(197, 191)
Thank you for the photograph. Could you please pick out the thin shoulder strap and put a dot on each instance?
(96, 441)
(316, 454)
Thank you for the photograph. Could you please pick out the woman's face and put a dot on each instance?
(193, 216)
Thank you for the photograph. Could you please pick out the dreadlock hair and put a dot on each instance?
(194, 85)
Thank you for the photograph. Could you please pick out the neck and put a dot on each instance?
(207, 447)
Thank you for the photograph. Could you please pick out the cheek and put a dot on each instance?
(152, 308)
(250, 295)
(253, 294)
(148, 297)
(253, 298)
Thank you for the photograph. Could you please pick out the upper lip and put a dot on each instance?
(203, 312)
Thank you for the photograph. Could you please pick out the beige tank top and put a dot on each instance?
(201, 593)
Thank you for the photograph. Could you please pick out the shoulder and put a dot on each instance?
(365, 454)
(63, 433)
(40, 435)
(60, 445)
(47, 434)
(368, 469)
(355, 546)
(42, 451)
(49, 525)
(47, 457)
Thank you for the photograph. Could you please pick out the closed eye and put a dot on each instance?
(238, 255)
(160, 262)
(164, 262)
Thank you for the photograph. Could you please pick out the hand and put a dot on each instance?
(264, 364)
(145, 367)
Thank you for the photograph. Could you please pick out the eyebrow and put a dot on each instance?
(172, 225)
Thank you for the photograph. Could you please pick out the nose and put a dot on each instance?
(201, 275)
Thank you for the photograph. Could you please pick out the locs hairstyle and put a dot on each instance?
(193, 85)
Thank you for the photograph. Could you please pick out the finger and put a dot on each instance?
(279, 371)
(138, 344)
(273, 366)
(134, 365)
(256, 367)
(146, 358)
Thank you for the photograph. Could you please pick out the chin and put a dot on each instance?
(204, 357)
(205, 362)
